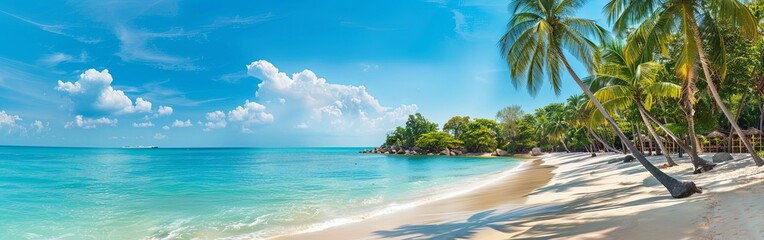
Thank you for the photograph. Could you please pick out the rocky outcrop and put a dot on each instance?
(500, 153)
(445, 152)
(395, 150)
(722, 157)
(535, 151)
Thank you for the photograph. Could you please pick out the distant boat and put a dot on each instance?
(140, 146)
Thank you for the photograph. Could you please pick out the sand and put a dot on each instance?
(575, 196)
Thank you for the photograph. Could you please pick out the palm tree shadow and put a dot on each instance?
(466, 228)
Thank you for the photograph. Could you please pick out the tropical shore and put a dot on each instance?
(574, 195)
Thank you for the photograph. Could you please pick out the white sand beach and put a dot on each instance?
(576, 196)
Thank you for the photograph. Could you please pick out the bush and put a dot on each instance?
(437, 141)
(478, 138)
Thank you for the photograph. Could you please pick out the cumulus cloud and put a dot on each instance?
(8, 120)
(251, 112)
(159, 136)
(164, 111)
(215, 119)
(179, 123)
(309, 89)
(301, 125)
(88, 123)
(93, 94)
(165, 127)
(143, 124)
(321, 102)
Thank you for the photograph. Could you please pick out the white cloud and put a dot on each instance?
(308, 89)
(8, 120)
(135, 48)
(57, 58)
(159, 136)
(251, 112)
(165, 127)
(302, 126)
(38, 126)
(143, 124)
(315, 101)
(92, 93)
(179, 123)
(164, 111)
(88, 123)
(215, 119)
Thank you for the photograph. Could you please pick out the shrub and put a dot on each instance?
(437, 141)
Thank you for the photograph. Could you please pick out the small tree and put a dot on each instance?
(396, 138)
(438, 141)
(455, 126)
(479, 137)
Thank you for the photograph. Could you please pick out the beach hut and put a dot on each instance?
(754, 136)
(715, 141)
(644, 142)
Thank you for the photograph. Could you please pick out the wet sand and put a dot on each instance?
(433, 218)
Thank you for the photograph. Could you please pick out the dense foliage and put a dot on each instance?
(406, 136)
(650, 80)
(438, 141)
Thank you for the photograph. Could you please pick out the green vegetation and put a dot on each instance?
(637, 89)
(407, 136)
(671, 72)
(438, 141)
(480, 135)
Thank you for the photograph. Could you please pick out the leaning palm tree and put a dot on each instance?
(627, 84)
(533, 46)
(658, 20)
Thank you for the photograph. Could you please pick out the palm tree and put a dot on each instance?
(626, 84)
(578, 117)
(533, 47)
(659, 19)
(555, 129)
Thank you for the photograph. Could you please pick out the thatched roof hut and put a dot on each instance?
(716, 134)
(751, 132)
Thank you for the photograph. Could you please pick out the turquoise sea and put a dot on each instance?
(213, 193)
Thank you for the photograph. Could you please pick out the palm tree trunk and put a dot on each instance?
(737, 116)
(650, 129)
(761, 113)
(699, 163)
(563, 145)
(688, 108)
(715, 93)
(608, 147)
(676, 188)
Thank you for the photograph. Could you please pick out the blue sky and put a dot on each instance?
(249, 73)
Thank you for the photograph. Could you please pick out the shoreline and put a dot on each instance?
(583, 197)
(485, 192)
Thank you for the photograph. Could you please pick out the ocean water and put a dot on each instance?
(92, 193)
